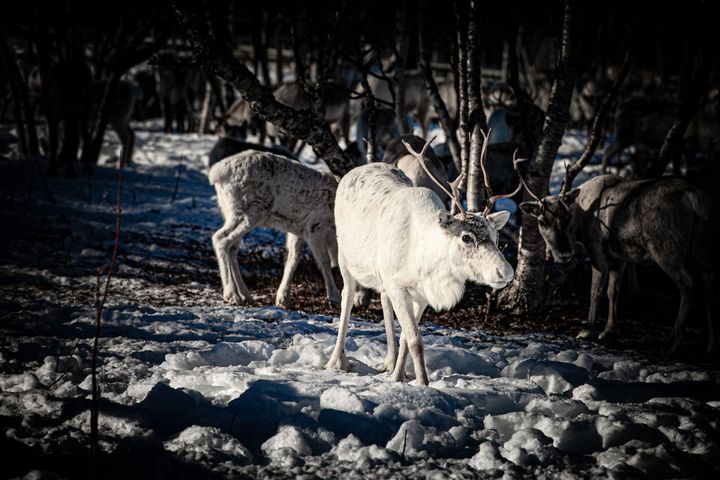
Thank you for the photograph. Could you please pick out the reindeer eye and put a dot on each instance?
(467, 238)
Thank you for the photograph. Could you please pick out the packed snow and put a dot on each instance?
(195, 388)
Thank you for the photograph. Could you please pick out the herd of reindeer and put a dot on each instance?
(391, 225)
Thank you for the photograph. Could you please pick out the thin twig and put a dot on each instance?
(99, 304)
(177, 183)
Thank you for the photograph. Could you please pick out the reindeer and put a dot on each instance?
(177, 85)
(417, 102)
(644, 123)
(401, 241)
(335, 99)
(263, 189)
(617, 222)
(399, 156)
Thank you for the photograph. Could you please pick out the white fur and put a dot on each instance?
(263, 189)
(391, 239)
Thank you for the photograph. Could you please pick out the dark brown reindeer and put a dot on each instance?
(663, 221)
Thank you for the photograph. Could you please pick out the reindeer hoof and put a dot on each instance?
(388, 365)
(398, 375)
(283, 302)
(586, 334)
(339, 362)
(234, 298)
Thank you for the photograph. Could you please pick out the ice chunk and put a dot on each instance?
(487, 458)
(526, 447)
(624, 371)
(552, 377)
(221, 355)
(287, 437)
(200, 444)
(558, 407)
(409, 437)
(351, 449)
(342, 399)
(18, 383)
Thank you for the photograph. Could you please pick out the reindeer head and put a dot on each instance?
(554, 216)
(474, 247)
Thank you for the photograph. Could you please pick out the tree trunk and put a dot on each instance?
(400, 68)
(91, 149)
(476, 115)
(447, 124)
(527, 293)
(217, 60)
(462, 76)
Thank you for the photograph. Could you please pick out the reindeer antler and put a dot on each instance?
(491, 201)
(522, 180)
(454, 186)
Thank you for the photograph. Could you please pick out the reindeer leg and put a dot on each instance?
(599, 281)
(226, 242)
(616, 275)
(405, 310)
(338, 359)
(319, 251)
(293, 243)
(398, 374)
(388, 318)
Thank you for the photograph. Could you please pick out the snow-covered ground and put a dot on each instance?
(195, 388)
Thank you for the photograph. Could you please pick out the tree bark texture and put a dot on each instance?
(476, 115)
(527, 292)
(217, 60)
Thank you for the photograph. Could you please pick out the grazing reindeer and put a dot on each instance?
(263, 189)
(617, 221)
(401, 241)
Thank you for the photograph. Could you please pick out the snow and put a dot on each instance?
(193, 387)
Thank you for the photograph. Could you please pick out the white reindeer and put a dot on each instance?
(401, 241)
(263, 189)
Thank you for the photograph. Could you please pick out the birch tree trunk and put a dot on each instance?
(527, 292)
(462, 76)
(476, 115)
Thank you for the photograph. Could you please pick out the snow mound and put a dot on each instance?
(203, 444)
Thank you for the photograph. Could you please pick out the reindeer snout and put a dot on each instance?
(504, 274)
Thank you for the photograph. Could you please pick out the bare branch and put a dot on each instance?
(596, 136)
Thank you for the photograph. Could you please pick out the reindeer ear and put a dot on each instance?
(531, 208)
(571, 196)
(499, 219)
(445, 218)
